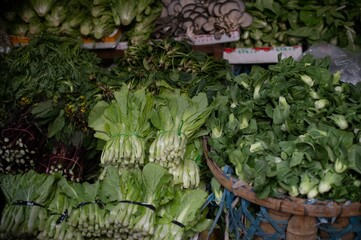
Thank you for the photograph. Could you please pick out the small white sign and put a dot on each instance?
(261, 55)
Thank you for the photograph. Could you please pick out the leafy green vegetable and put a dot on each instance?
(298, 128)
(185, 209)
(177, 118)
(26, 197)
(124, 125)
(42, 7)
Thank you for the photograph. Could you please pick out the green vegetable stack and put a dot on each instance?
(138, 127)
(177, 119)
(124, 125)
(27, 195)
(96, 19)
(136, 204)
(291, 129)
(283, 22)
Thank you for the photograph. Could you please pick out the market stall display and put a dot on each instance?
(166, 141)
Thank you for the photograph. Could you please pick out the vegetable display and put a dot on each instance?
(124, 125)
(136, 204)
(164, 128)
(291, 129)
(174, 63)
(282, 22)
(95, 19)
(50, 86)
(187, 18)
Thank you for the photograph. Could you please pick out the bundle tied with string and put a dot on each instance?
(178, 119)
(123, 124)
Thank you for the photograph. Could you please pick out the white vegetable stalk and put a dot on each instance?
(123, 150)
(168, 149)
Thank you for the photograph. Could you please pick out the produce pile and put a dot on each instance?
(262, 23)
(85, 18)
(138, 127)
(291, 129)
(187, 18)
(135, 204)
(104, 152)
(288, 23)
(49, 87)
(175, 64)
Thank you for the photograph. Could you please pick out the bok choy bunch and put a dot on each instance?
(27, 196)
(125, 127)
(183, 216)
(178, 118)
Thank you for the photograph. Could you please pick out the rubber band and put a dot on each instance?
(179, 224)
(179, 133)
(96, 201)
(27, 203)
(82, 204)
(62, 217)
(150, 206)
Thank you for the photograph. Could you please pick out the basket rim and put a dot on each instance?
(293, 205)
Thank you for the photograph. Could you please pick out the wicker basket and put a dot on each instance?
(299, 216)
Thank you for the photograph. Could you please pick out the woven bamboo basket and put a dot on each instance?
(299, 216)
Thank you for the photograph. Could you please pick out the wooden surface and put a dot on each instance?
(297, 206)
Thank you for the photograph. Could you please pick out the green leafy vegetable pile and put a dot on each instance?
(96, 19)
(283, 22)
(292, 128)
(139, 126)
(138, 204)
(174, 63)
(124, 125)
(50, 85)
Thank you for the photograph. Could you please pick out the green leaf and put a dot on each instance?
(296, 158)
(354, 156)
(57, 125)
(300, 32)
(42, 108)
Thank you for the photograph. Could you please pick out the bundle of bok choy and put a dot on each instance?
(130, 204)
(178, 119)
(95, 19)
(27, 196)
(124, 126)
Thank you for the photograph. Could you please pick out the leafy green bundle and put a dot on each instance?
(27, 196)
(178, 119)
(124, 125)
(283, 22)
(179, 217)
(291, 128)
(134, 204)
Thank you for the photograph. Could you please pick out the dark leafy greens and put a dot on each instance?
(291, 128)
